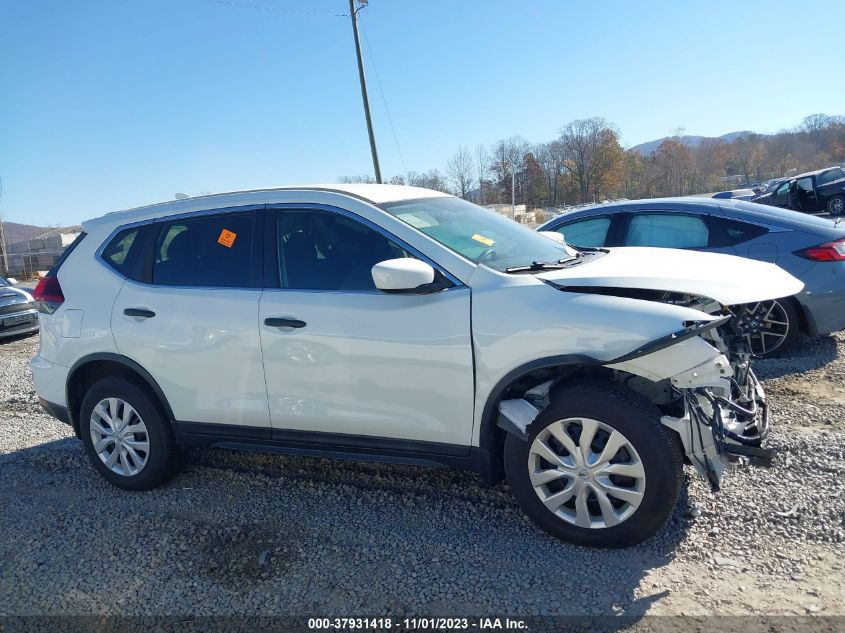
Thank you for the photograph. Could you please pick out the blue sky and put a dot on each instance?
(106, 105)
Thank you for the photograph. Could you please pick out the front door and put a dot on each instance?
(193, 321)
(342, 358)
(806, 195)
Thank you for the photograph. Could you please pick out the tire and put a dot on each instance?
(785, 309)
(836, 205)
(149, 468)
(613, 408)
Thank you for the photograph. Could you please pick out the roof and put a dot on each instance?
(815, 172)
(372, 193)
(732, 207)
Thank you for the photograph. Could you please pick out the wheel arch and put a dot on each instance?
(88, 369)
(804, 325)
(491, 436)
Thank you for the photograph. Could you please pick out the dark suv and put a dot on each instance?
(815, 191)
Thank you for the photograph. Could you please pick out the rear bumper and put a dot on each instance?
(56, 410)
(825, 312)
(50, 381)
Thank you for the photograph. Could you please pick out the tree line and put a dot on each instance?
(587, 163)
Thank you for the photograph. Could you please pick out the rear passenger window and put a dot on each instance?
(213, 251)
(588, 233)
(119, 253)
(667, 230)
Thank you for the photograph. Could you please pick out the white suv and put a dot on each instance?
(404, 325)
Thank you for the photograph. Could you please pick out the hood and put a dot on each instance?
(727, 279)
(13, 295)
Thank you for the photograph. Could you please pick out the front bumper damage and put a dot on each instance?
(721, 423)
(710, 395)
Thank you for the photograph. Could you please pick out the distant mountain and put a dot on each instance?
(14, 232)
(647, 148)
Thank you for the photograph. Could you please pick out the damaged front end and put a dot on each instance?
(701, 380)
(718, 407)
(721, 421)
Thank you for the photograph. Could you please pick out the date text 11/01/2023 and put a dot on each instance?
(417, 624)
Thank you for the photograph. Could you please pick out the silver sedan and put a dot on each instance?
(18, 311)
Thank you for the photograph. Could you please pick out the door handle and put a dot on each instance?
(139, 312)
(282, 322)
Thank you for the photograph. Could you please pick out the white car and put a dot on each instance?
(404, 325)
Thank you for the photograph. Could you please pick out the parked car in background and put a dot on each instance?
(811, 248)
(771, 185)
(401, 324)
(735, 194)
(18, 312)
(813, 192)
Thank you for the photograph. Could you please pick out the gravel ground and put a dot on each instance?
(240, 533)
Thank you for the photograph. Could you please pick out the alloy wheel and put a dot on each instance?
(765, 326)
(586, 472)
(837, 206)
(119, 436)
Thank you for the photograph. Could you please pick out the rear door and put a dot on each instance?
(668, 228)
(357, 366)
(190, 318)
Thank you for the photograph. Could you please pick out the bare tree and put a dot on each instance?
(507, 156)
(550, 157)
(461, 168)
(349, 180)
(482, 169)
(592, 149)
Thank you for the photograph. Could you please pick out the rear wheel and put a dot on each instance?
(770, 327)
(836, 205)
(126, 437)
(598, 467)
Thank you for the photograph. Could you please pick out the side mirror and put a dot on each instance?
(402, 275)
(554, 236)
(12, 281)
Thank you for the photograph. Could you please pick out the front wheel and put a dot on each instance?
(598, 467)
(836, 205)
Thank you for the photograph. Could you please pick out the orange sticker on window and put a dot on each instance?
(227, 238)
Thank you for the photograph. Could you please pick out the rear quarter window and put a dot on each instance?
(726, 232)
(121, 252)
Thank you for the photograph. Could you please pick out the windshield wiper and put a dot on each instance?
(534, 266)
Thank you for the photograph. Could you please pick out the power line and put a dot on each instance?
(383, 98)
(258, 7)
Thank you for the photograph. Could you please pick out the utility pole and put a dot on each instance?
(513, 190)
(3, 234)
(354, 13)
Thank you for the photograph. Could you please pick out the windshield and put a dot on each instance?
(772, 186)
(480, 235)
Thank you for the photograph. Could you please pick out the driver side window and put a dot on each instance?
(319, 250)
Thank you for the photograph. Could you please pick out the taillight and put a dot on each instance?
(827, 252)
(48, 293)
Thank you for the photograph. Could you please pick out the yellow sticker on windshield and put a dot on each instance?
(484, 240)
